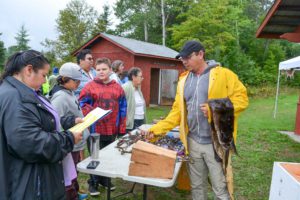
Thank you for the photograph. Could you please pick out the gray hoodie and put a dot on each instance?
(196, 93)
(66, 104)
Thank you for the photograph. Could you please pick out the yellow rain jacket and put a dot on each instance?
(222, 83)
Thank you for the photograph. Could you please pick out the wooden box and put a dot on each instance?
(148, 160)
(285, 181)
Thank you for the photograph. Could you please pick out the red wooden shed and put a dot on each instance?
(158, 63)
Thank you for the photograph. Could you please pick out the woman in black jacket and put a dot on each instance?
(31, 148)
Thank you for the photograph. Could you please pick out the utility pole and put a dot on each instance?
(163, 23)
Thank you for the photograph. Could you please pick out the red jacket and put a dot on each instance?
(108, 96)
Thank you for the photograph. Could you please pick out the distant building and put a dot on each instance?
(158, 63)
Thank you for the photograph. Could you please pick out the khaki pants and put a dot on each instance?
(204, 164)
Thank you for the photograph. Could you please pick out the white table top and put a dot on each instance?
(114, 165)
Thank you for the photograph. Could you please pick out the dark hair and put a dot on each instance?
(81, 54)
(104, 61)
(116, 65)
(61, 80)
(133, 72)
(123, 74)
(19, 60)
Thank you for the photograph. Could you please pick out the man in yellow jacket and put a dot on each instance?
(202, 81)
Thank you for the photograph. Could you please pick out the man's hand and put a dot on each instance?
(148, 135)
(77, 136)
(204, 109)
(78, 120)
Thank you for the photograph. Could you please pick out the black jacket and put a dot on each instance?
(31, 150)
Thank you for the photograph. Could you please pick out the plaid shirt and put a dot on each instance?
(108, 96)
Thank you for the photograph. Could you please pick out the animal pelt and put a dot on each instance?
(222, 128)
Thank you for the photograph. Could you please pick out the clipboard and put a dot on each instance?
(89, 119)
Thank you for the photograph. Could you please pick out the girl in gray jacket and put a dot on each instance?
(66, 104)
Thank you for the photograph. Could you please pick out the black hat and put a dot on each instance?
(190, 47)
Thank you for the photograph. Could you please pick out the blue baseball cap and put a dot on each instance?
(190, 47)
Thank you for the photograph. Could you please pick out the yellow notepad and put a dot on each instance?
(93, 116)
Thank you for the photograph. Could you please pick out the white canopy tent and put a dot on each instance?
(291, 64)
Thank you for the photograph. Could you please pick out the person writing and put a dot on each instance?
(32, 147)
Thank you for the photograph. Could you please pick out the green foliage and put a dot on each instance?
(259, 145)
(227, 30)
(49, 52)
(137, 17)
(205, 22)
(290, 82)
(74, 26)
(269, 91)
(103, 22)
(133, 21)
(2, 54)
(77, 23)
(22, 40)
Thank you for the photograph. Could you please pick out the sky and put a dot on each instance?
(38, 16)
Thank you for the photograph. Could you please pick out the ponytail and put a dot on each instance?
(19, 60)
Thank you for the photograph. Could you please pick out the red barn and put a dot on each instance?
(158, 63)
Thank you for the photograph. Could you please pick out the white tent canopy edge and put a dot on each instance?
(290, 64)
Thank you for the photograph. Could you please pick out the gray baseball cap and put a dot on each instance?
(70, 70)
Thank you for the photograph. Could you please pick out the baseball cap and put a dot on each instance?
(190, 47)
(70, 70)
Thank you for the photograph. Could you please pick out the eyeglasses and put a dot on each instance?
(141, 77)
(90, 58)
(189, 56)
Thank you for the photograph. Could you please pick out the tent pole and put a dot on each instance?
(277, 93)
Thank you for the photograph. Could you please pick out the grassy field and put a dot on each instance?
(259, 144)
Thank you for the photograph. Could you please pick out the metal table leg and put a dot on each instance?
(108, 189)
(131, 191)
(145, 192)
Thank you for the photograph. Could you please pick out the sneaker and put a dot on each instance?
(112, 186)
(93, 190)
(82, 196)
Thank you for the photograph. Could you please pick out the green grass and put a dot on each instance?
(259, 144)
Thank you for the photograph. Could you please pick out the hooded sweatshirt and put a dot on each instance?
(196, 93)
(108, 96)
(66, 104)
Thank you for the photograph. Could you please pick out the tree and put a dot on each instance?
(50, 52)
(170, 10)
(22, 39)
(149, 20)
(227, 30)
(205, 21)
(75, 25)
(2, 54)
(137, 17)
(103, 22)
